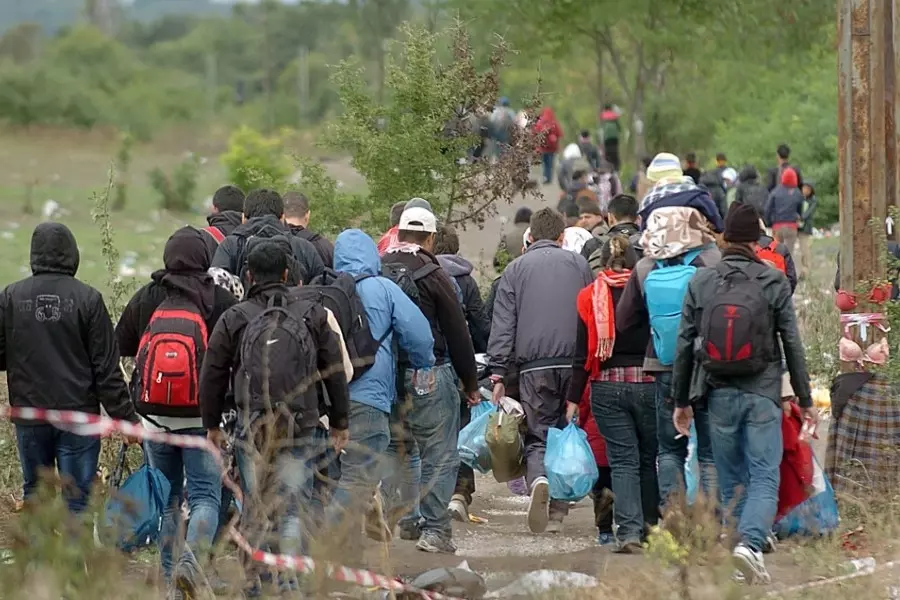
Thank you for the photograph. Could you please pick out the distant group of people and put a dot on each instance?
(341, 373)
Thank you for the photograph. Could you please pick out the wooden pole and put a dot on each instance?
(867, 135)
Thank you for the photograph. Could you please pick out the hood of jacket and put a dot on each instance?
(54, 250)
(456, 266)
(674, 230)
(355, 252)
(749, 174)
(186, 263)
(227, 219)
(254, 225)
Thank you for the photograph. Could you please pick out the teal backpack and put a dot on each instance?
(664, 291)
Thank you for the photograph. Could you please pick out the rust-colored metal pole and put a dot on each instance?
(867, 136)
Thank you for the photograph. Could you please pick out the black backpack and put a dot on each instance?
(337, 292)
(736, 329)
(269, 233)
(407, 279)
(278, 359)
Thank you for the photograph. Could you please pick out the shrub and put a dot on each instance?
(254, 160)
(177, 190)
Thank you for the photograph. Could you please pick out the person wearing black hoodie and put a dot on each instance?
(263, 218)
(227, 206)
(296, 216)
(184, 276)
(59, 352)
(750, 190)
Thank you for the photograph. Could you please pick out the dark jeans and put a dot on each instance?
(432, 422)
(626, 416)
(746, 439)
(197, 469)
(547, 162)
(543, 398)
(673, 452)
(603, 514)
(465, 478)
(45, 447)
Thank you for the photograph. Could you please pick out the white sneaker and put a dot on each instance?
(458, 509)
(539, 509)
(751, 564)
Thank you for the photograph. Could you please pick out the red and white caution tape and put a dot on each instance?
(90, 425)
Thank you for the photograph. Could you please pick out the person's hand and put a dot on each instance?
(682, 420)
(216, 437)
(474, 397)
(499, 391)
(339, 439)
(571, 409)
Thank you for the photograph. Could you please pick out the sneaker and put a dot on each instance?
(554, 526)
(630, 547)
(606, 539)
(459, 510)
(539, 508)
(410, 532)
(435, 543)
(771, 544)
(751, 564)
(188, 577)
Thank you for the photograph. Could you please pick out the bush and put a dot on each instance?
(177, 191)
(254, 160)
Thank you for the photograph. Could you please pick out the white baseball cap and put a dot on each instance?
(418, 219)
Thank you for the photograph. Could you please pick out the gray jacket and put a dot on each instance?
(631, 311)
(689, 386)
(538, 290)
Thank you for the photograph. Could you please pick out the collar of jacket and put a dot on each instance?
(266, 290)
(542, 244)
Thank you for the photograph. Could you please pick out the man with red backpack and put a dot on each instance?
(775, 254)
(735, 319)
(166, 326)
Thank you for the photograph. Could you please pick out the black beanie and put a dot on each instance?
(742, 224)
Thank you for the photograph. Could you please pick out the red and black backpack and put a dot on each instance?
(167, 367)
(215, 233)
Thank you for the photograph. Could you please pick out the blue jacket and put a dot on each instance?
(387, 307)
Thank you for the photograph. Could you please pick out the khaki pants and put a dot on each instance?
(788, 237)
(805, 254)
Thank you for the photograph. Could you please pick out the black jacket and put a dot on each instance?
(751, 191)
(58, 346)
(439, 304)
(224, 354)
(227, 254)
(775, 176)
(137, 313)
(226, 222)
(689, 386)
(479, 326)
(322, 244)
(809, 211)
(598, 241)
(713, 182)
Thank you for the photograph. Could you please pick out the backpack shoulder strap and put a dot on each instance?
(425, 271)
(215, 232)
(362, 277)
(688, 257)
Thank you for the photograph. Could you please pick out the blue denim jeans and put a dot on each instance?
(400, 484)
(673, 452)
(626, 416)
(547, 163)
(45, 447)
(325, 465)
(431, 421)
(283, 508)
(747, 445)
(361, 465)
(204, 495)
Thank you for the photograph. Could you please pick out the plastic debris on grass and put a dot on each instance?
(541, 581)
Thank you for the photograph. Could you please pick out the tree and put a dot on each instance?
(415, 143)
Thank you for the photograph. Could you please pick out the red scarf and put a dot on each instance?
(387, 240)
(597, 309)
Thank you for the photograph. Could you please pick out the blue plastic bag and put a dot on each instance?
(817, 515)
(472, 447)
(692, 468)
(135, 510)
(569, 462)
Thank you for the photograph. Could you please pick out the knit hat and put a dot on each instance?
(664, 166)
(420, 203)
(742, 224)
(789, 178)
